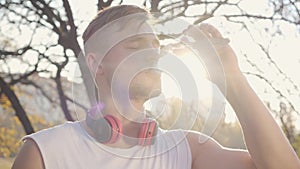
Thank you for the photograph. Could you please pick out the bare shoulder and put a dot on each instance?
(209, 154)
(29, 157)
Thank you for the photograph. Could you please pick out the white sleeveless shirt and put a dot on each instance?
(68, 146)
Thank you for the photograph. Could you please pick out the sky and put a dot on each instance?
(283, 49)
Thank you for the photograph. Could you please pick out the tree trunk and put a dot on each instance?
(62, 98)
(154, 5)
(85, 72)
(20, 112)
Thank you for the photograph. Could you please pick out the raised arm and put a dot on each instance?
(265, 141)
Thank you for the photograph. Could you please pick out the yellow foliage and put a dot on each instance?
(4, 102)
(8, 144)
(11, 129)
(11, 132)
(296, 145)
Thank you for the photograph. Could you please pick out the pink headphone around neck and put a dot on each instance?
(108, 129)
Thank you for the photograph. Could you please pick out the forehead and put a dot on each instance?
(130, 31)
(117, 31)
(141, 38)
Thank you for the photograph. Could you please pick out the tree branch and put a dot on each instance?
(20, 112)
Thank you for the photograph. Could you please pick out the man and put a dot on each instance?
(115, 63)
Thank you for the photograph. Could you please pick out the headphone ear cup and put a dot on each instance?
(148, 132)
(107, 130)
(100, 127)
(115, 129)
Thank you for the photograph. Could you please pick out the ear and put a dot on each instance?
(93, 64)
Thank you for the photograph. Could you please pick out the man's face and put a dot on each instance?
(130, 65)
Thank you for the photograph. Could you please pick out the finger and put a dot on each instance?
(203, 35)
(219, 42)
(214, 32)
(193, 30)
(204, 31)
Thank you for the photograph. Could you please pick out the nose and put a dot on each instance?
(153, 56)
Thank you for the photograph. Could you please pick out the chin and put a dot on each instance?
(153, 94)
(144, 93)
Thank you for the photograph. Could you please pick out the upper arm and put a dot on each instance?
(29, 157)
(211, 155)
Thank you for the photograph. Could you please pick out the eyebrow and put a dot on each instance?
(134, 39)
(141, 39)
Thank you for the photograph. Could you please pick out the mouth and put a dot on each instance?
(147, 84)
(144, 95)
(152, 71)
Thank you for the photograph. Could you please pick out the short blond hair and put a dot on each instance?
(108, 15)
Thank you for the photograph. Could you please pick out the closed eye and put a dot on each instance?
(134, 45)
(142, 42)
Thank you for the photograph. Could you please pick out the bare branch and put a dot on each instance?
(44, 93)
(101, 4)
(77, 103)
(277, 67)
(274, 88)
(18, 52)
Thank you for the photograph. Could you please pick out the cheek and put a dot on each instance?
(111, 63)
(114, 57)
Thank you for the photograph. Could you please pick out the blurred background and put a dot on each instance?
(41, 84)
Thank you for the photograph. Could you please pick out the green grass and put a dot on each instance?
(6, 163)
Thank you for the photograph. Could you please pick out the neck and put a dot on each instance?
(130, 118)
(127, 113)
